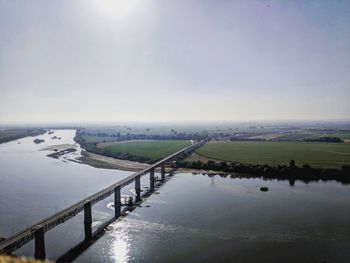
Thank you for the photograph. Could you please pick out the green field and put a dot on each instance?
(325, 155)
(150, 149)
(97, 139)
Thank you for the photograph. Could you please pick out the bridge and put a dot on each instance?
(38, 230)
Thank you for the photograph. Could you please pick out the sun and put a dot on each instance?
(115, 9)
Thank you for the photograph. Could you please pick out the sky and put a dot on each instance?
(173, 60)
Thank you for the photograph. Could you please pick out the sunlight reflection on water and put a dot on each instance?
(190, 220)
(119, 249)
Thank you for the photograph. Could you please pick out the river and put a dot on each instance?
(191, 218)
(34, 186)
(196, 218)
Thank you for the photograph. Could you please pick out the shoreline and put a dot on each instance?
(105, 162)
(18, 134)
(92, 159)
(99, 161)
(291, 175)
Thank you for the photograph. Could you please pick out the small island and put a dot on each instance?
(264, 189)
(37, 141)
(57, 153)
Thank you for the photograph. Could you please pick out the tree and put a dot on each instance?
(292, 164)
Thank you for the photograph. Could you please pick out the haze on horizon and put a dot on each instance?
(162, 60)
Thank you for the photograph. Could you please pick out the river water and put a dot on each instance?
(191, 218)
(34, 186)
(200, 219)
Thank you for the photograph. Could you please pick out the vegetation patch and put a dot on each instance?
(139, 151)
(15, 134)
(306, 173)
(152, 150)
(321, 155)
(56, 155)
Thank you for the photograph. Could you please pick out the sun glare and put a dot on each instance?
(115, 9)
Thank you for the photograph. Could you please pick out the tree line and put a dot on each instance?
(92, 147)
(324, 139)
(292, 172)
(140, 136)
(289, 172)
(15, 134)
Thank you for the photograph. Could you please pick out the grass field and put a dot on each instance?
(97, 139)
(325, 155)
(150, 149)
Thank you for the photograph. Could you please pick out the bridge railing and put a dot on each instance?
(38, 230)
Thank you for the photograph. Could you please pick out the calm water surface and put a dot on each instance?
(34, 186)
(195, 218)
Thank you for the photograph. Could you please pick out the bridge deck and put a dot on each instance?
(16, 241)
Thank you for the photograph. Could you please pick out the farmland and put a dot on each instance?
(319, 155)
(151, 150)
(97, 139)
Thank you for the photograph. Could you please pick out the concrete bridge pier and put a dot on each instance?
(39, 236)
(117, 202)
(162, 170)
(151, 179)
(138, 188)
(88, 220)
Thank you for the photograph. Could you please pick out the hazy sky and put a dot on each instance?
(172, 60)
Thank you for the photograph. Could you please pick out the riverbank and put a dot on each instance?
(305, 174)
(94, 160)
(296, 174)
(8, 135)
(223, 169)
(60, 147)
(199, 163)
(100, 161)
